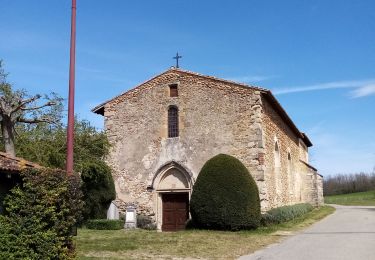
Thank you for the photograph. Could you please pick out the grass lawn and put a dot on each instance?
(189, 244)
(360, 198)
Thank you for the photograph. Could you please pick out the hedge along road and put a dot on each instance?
(349, 233)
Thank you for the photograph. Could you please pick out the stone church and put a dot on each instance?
(163, 131)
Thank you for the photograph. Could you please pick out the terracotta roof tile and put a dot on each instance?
(14, 164)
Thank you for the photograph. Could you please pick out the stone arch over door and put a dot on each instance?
(172, 185)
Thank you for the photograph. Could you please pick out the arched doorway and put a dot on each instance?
(173, 189)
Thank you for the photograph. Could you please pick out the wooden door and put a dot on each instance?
(175, 211)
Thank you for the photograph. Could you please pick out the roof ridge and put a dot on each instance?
(219, 79)
(96, 108)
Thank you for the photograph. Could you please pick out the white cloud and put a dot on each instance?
(363, 91)
(362, 87)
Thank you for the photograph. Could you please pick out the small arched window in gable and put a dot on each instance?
(173, 121)
(277, 155)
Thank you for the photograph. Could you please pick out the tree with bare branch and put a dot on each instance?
(17, 107)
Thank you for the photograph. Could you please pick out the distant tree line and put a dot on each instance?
(348, 183)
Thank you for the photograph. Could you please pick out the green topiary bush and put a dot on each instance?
(40, 214)
(285, 213)
(105, 224)
(225, 196)
(98, 189)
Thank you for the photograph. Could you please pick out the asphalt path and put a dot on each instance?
(349, 233)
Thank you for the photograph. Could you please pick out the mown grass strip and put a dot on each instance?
(192, 244)
(352, 199)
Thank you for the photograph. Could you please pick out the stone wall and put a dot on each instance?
(214, 117)
(314, 185)
(284, 183)
(294, 181)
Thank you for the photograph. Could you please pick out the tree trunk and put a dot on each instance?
(8, 135)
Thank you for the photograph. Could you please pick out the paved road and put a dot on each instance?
(349, 233)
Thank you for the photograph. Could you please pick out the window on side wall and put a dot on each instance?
(277, 155)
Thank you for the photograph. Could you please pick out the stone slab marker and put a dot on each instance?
(130, 218)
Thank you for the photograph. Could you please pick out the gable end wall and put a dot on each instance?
(214, 117)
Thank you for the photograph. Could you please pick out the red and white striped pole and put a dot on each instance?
(70, 130)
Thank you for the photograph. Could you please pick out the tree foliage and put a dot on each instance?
(98, 188)
(38, 135)
(40, 214)
(46, 145)
(225, 196)
(18, 107)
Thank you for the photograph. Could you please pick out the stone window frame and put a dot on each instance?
(173, 124)
(173, 90)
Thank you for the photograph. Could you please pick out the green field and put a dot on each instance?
(360, 199)
(191, 244)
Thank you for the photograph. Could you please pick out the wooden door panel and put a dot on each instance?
(175, 211)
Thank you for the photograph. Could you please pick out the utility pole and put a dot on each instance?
(70, 130)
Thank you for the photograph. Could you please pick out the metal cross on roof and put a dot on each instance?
(176, 58)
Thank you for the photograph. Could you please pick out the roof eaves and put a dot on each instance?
(99, 109)
(306, 140)
(311, 167)
(271, 98)
(221, 80)
(15, 164)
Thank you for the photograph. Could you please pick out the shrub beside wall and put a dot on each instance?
(105, 224)
(225, 196)
(98, 189)
(39, 216)
(285, 213)
(145, 222)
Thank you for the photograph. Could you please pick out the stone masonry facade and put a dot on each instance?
(214, 116)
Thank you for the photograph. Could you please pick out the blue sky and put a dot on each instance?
(318, 57)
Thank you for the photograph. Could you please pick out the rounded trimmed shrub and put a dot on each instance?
(225, 196)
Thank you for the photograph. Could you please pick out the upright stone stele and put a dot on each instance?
(113, 212)
(130, 218)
